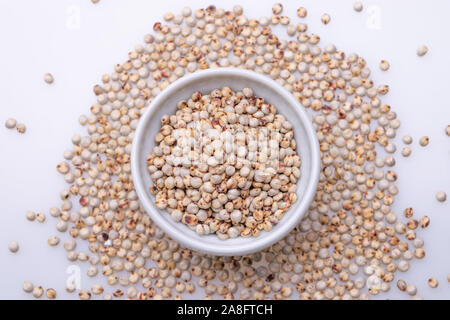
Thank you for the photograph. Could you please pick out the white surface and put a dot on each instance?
(236, 79)
(43, 36)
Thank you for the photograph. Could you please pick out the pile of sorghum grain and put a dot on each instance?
(225, 163)
(350, 245)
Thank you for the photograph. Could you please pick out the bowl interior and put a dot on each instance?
(206, 81)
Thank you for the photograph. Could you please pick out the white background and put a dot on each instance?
(78, 41)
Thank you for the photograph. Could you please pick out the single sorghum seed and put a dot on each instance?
(40, 217)
(51, 293)
(411, 289)
(424, 141)
(433, 282)
(419, 253)
(325, 18)
(409, 212)
(186, 12)
(401, 285)
(84, 295)
(27, 286)
(53, 241)
(406, 151)
(441, 196)
(10, 123)
(447, 130)
(13, 246)
(302, 12)
(407, 139)
(21, 128)
(169, 16)
(97, 289)
(422, 50)
(238, 10)
(424, 221)
(38, 292)
(358, 6)
(277, 8)
(48, 78)
(384, 65)
(412, 224)
(30, 215)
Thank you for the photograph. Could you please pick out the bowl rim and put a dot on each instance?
(257, 244)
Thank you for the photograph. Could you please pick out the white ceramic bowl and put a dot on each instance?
(236, 79)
